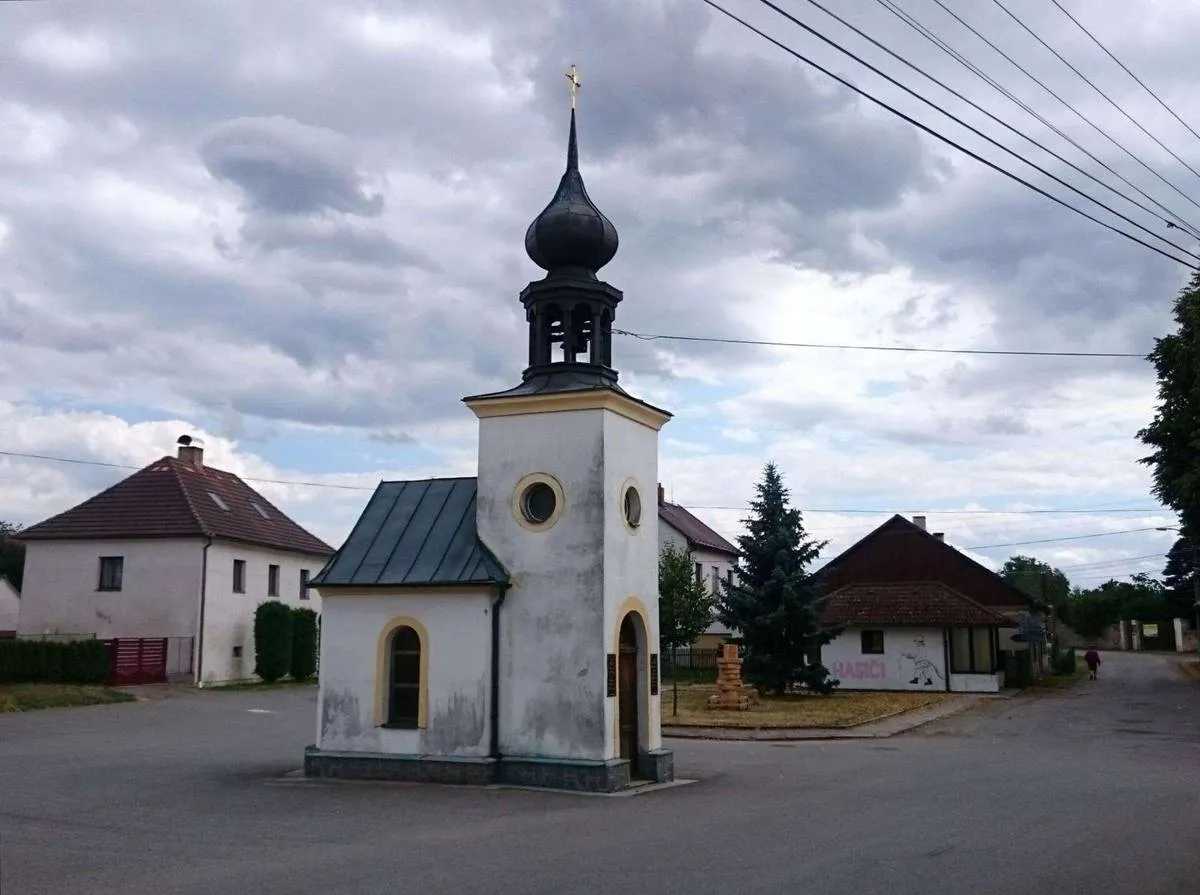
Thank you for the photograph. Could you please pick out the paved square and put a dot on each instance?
(1093, 791)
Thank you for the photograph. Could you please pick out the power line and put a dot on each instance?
(996, 118)
(1125, 68)
(903, 348)
(925, 32)
(27, 456)
(1091, 84)
(1070, 107)
(935, 134)
(1111, 562)
(23, 455)
(976, 131)
(879, 512)
(1099, 534)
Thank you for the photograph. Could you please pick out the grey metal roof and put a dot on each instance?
(415, 534)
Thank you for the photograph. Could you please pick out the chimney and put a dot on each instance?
(940, 535)
(919, 522)
(190, 451)
(662, 495)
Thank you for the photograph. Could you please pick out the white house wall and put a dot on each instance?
(908, 653)
(458, 693)
(229, 616)
(10, 606)
(552, 680)
(160, 587)
(667, 535)
(631, 564)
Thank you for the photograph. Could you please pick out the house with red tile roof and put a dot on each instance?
(712, 554)
(918, 614)
(177, 550)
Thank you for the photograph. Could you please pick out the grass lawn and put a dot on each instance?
(1063, 681)
(24, 697)
(842, 709)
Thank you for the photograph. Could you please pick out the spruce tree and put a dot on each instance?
(772, 603)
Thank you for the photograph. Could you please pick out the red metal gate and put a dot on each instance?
(137, 660)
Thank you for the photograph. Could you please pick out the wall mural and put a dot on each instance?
(923, 668)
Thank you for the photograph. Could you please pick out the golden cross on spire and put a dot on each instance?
(573, 77)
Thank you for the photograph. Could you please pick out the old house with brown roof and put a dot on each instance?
(712, 554)
(920, 615)
(178, 550)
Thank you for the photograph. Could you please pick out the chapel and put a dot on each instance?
(504, 628)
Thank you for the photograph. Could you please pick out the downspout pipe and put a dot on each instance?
(501, 593)
(199, 663)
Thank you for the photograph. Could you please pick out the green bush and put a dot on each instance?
(272, 640)
(43, 662)
(304, 643)
(1063, 662)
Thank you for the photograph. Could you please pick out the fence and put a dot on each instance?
(688, 659)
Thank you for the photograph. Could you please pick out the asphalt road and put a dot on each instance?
(1095, 791)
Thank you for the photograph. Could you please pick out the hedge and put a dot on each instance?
(53, 662)
(304, 643)
(272, 640)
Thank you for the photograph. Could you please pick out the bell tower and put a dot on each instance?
(568, 465)
(570, 312)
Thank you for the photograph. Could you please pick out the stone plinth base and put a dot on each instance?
(548, 773)
(730, 692)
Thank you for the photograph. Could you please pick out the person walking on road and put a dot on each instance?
(1092, 659)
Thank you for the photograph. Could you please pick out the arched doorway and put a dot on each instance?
(628, 708)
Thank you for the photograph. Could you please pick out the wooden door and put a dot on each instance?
(627, 690)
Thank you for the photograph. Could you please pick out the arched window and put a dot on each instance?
(404, 679)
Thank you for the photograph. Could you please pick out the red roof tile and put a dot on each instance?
(916, 603)
(171, 498)
(697, 533)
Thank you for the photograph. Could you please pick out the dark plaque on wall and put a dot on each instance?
(612, 674)
(654, 674)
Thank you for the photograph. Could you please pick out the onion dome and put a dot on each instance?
(571, 232)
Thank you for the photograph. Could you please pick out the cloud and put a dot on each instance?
(312, 248)
(284, 167)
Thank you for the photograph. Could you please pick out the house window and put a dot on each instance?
(716, 580)
(239, 576)
(872, 643)
(112, 569)
(699, 572)
(404, 697)
(304, 584)
(971, 651)
(272, 581)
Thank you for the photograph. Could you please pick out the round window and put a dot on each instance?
(538, 502)
(633, 507)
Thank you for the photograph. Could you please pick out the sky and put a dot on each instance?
(295, 231)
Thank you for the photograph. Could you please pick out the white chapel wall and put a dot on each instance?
(552, 690)
(908, 654)
(631, 562)
(458, 689)
(229, 616)
(159, 595)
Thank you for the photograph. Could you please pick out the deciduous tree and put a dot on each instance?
(685, 607)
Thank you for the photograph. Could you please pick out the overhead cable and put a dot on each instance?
(933, 133)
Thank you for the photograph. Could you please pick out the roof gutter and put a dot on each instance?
(501, 593)
(199, 663)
